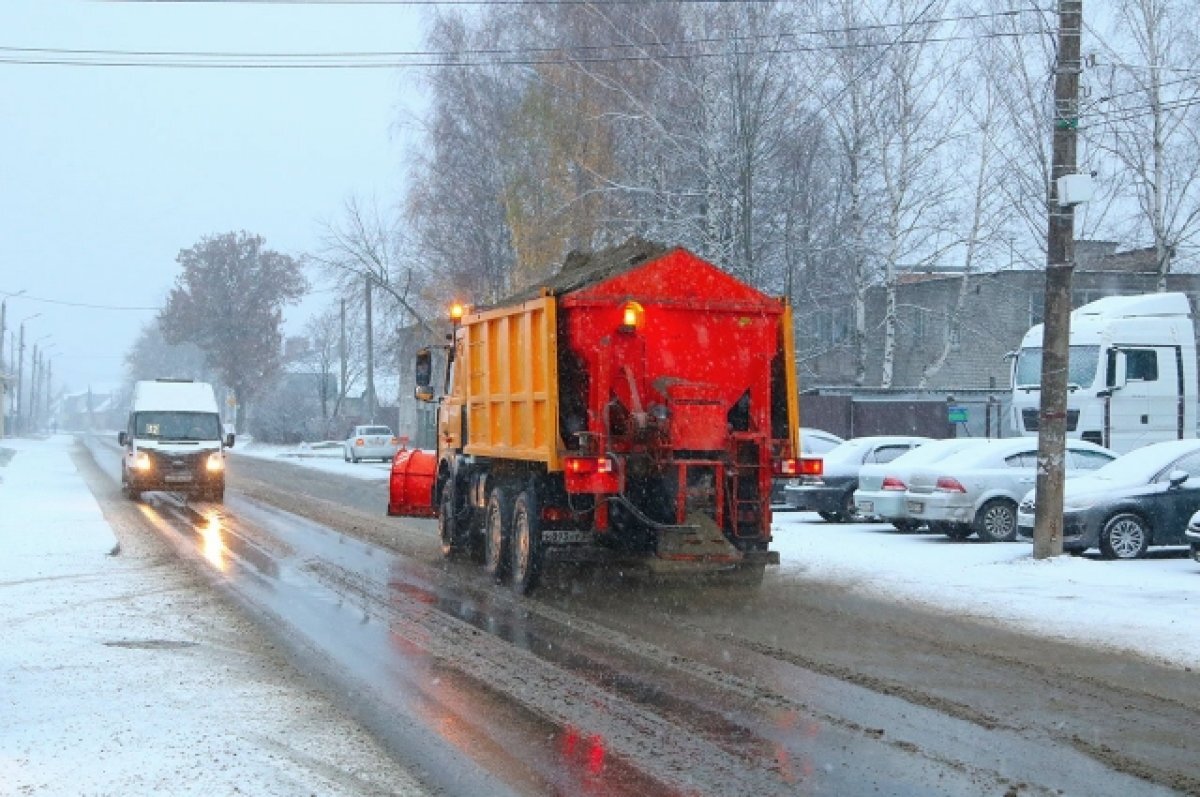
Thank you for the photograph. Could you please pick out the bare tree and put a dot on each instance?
(1149, 122)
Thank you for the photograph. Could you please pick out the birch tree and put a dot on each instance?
(1149, 121)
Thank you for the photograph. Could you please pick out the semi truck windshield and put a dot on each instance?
(1082, 364)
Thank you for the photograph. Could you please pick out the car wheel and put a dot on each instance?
(1125, 536)
(906, 525)
(497, 530)
(830, 517)
(345, 455)
(354, 459)
(996, 521)
(526, 543)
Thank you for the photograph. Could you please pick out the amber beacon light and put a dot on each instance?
(632, 316)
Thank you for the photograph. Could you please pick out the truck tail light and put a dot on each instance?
(787, 467)
(582, 466)
(893, 483)
(949, 484)
(811, 466)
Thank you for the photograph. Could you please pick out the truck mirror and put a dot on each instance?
(423, 393)
(424, 370)
(122, 438)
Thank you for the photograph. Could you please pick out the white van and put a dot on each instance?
(1131, 373)
(174, 441)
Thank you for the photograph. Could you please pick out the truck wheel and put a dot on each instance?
(996, 521)
(447, 525)
(497, 530)
(1125, 536)
(526, 543)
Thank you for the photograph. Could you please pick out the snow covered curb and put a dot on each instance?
(123, 674)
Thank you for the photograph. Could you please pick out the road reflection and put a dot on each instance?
(214, 546)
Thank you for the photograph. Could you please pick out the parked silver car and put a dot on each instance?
(977, 490)
(881, 487)
(831, 494)
(370, 442)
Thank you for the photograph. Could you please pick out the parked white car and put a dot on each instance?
(370, 442)
(881, 487)
(977, 490)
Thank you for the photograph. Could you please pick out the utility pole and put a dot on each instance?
(370, 357)
(17, 425)
(1060, 262)
(343, 388)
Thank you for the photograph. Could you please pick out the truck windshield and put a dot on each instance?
(1082, 364)
(165, 425)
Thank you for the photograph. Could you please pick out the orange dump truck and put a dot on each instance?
(636, 406)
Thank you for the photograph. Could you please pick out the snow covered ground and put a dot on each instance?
(1149, 606)
(125, 674)
(325, 456)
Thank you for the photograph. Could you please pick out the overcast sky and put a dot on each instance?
(107, 172)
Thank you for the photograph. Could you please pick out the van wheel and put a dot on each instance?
(1125, 536)
(127, 488)
(996, 521)
(526, 543)
(497, 530)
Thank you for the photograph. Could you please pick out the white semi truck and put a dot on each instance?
(1131, 374)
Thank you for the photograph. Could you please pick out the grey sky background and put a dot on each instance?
(107, 172)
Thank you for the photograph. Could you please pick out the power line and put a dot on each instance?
(44, 300)
(454, 61)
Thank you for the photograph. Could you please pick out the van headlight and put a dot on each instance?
(216, 462)
(141, 461)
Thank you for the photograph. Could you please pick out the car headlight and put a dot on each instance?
(141, 461)
(216, 462)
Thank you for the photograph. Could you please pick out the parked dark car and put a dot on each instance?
(1142, 498)
(813, 443)
(831, 495)
(1193, 535)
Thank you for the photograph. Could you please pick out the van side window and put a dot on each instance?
(1141, 364)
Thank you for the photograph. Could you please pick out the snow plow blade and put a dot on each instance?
(410, 492)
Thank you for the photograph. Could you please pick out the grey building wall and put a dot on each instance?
(998, 309)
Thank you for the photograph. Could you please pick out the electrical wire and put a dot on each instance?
(44, 300)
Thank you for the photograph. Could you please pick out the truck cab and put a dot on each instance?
(1131, 373)
(173, 440)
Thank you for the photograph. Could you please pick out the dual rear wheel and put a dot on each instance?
(512, 539)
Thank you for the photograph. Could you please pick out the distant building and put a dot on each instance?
(998, 308)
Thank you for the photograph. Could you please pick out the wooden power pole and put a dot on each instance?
(1060, 262)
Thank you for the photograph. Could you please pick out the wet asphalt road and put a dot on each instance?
(610, 684)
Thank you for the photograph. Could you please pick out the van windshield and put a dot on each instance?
(164, 425)
(1082, 363)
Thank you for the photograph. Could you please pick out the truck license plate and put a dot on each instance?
(916, 506)
(565, 536)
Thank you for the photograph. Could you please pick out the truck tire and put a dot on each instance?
(526, 543)
(450, 535)
(497, 532)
